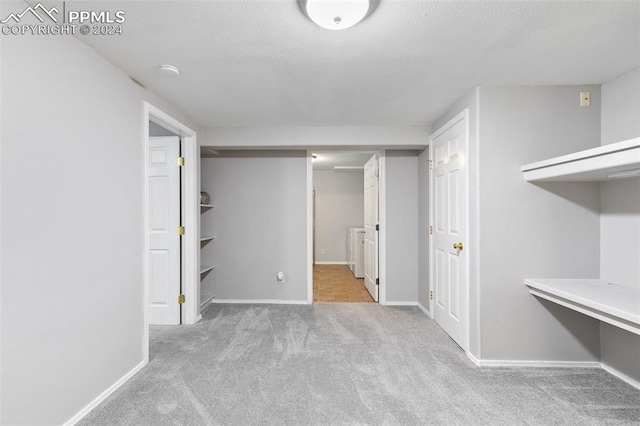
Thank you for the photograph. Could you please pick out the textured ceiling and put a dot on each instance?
(263, 63)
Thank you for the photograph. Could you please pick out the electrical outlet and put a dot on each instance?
(585, 99)
(322, 251)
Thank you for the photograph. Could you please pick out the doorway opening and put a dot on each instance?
(345, 226)
(172, 266)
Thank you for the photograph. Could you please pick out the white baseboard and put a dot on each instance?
(401, 303)
(633, 382)
(473, 358)
(425, 310)
(104, 395)
(542, 364)
(268, 302)
(330, 262)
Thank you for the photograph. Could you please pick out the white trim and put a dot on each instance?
(423, 309)
(309, 226)
(463, 115)
(473, 358)
(620, 375)
(262, 302)
(331, 262)
(382, 234)
(541, 364)
(104, 395)
(191, 213)
(401, 303)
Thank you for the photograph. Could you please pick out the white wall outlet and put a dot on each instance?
(322, 251)
(585, 99)
(280, 277)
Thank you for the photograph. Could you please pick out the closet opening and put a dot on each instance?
(345, 226)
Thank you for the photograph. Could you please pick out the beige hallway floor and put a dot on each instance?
(336, 283)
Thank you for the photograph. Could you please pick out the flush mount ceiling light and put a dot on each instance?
(337, 14)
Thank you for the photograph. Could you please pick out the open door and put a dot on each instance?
(371, 226)
(164, 235)
(449, 242)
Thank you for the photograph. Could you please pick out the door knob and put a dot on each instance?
(458, 246)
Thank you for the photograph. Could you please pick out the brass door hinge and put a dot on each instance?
(180, 161)
(180, 299)
(431, 295)
(180, 230)
(431, 230)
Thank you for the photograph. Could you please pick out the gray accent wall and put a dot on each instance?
(339, 205)
(401, 175)
(423, 229)
(620, 219)
(260, 225)
(72, 227)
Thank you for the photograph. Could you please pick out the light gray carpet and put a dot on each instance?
(346, 364)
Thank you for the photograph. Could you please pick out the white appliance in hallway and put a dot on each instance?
(355, 251)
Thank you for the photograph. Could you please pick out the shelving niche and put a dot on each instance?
(205, 269)
(614, 304)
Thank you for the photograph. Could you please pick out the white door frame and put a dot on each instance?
(464, 115)
(190, 216)
(382, 219)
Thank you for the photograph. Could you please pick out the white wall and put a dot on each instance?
(526, 230)
(303, 137)
(260, 224)
(72, 226)
(339, 206)
(401, 176)
(423, 229)
(620, 220)
(621, 108)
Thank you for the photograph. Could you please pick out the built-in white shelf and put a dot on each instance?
(205, 299)
(206, 239)
(617, 160)
(615, 304)
(205, 268)
(207, 206)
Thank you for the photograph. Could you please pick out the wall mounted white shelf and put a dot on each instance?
(207, 206)
(205, 268)
(617, 160)
(206, 239)
(205, 299)
(615, 304)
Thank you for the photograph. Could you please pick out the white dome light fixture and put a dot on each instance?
(337, 14)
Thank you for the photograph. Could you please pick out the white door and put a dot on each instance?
(449, 189)
(371, 226)
(164, 239)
